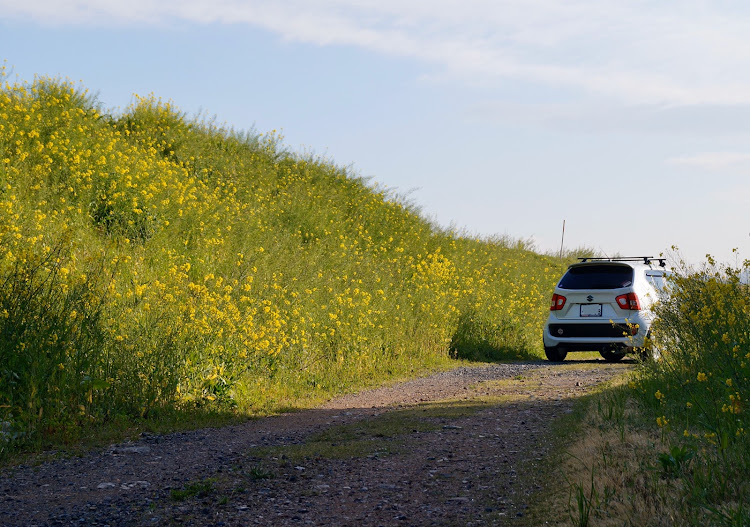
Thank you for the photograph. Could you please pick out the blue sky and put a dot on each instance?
(628, 120)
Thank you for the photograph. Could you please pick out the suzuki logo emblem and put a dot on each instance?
(590, 298)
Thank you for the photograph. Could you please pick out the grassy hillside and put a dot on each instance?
(152, 263)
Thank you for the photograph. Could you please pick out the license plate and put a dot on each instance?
(591, 310)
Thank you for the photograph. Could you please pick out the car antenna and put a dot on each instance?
(562, 240)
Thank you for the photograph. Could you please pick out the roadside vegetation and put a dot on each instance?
(157, 270)
(670, 446)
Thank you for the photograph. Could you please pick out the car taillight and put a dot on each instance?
(629, 301)
(558, 302)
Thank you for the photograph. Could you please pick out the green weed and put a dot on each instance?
(198, 489)
(675, 461)
(258, 472)
(582, 501)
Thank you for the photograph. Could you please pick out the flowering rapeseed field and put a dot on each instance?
(151, 262)
(697, 394)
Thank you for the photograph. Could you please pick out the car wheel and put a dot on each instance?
(612, 355)
(555, 354)
(650, 350)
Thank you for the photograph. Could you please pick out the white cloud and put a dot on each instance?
(633, 53)
(715, 122)
(714, 161)
(737, 195)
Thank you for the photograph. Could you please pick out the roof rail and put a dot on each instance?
(645, 259)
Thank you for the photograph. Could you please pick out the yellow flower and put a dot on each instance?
(729, 382)
(702, 377)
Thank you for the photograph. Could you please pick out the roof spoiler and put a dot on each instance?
(648, 260)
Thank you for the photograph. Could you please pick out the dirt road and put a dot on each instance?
(455, 448)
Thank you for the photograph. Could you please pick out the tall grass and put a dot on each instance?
(683, 454)
(699, 392)
(149, 263)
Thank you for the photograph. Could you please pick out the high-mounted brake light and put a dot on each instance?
(558, 302)
(629, 302)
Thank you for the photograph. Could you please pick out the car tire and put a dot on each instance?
(555, 354)
(612, 355)
(649, 353)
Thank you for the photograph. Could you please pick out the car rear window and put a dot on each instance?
(656, 278)
(597, 277)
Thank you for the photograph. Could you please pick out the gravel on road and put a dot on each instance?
(474, 464)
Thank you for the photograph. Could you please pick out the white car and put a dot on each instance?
(604, 305)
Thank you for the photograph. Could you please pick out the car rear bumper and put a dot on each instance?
(569, 331)
(594, 336)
